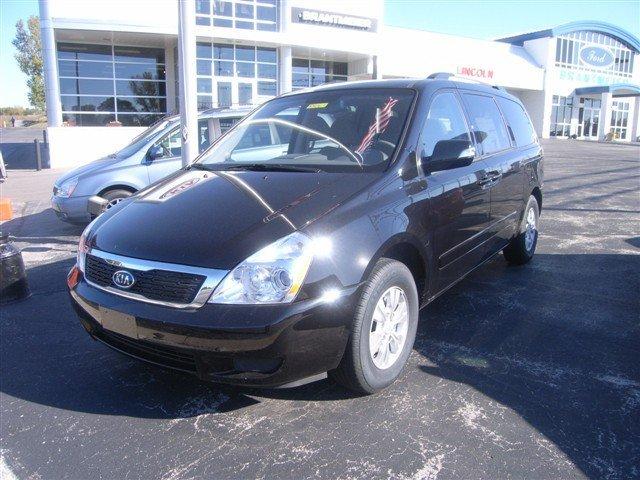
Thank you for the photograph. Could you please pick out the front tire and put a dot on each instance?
(115, 196)
(523, 246)
(384, 330)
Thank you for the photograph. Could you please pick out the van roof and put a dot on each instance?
(432, 82)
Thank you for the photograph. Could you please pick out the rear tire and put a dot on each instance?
(385, 323)
(115, 196)
(523, 246)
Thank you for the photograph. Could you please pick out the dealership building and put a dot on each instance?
(114, 71)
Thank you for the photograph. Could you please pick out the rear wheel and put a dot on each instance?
(522, 247)
(384, 330)
(115, 196)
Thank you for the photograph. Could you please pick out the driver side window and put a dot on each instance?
(445, 121)
(171, 144)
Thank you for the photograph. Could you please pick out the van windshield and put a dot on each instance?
(333, 130)
(142, 139)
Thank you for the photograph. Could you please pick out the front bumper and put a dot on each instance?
(263, 345)
(71, 209)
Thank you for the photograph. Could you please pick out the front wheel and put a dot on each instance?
(384, 330)
(522, 247)
(115, 196)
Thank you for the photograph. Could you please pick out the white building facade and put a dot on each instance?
(113, 68)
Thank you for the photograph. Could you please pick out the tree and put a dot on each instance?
(29, 57)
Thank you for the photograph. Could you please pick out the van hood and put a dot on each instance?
(217, 219)
(88, 168)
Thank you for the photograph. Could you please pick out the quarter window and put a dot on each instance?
(445, 121)
(518, 123)
(487, 124)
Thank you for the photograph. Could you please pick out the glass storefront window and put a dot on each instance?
(568, 49)
(126, 84)
(310, 73)
(561, 113)
(238, 67)
(224, 94)
(619, 119)
(589, 117)
(242, 14)
(245, 93)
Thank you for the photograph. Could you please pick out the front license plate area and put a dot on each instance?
(118, 322)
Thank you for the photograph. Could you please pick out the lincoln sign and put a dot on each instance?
(303, 15)
(475, 72)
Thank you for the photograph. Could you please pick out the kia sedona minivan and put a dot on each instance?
(305, 240)
(152, 155)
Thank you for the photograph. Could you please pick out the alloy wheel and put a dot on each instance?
(389, 327)
(530, 230)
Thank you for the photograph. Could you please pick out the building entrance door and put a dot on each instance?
(589, 118)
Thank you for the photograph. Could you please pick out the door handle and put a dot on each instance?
(490, 178)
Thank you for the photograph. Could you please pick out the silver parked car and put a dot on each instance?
(152, 155)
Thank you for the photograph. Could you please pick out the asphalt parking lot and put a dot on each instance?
(518, 372)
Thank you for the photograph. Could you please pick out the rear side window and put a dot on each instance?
(445, 121)
(519, 125)
(486, 123)
(203, 135)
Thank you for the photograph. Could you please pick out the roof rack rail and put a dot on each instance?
(440, 76)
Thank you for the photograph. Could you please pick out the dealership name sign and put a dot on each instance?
(596, 56)
(475, 72)
(329, 19)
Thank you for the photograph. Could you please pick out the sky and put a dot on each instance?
(469, 18)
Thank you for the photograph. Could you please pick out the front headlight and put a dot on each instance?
(271, 275)
(83, 247)
(67, 187)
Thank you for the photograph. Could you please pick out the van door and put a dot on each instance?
(524, 137)
(504, 177)
(171, 143)
(459, 205)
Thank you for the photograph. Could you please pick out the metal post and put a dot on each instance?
(286, 67)
(186, 67)
(38, 155)
(50, 66)
(44, 137)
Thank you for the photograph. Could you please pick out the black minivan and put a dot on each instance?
(307, 238)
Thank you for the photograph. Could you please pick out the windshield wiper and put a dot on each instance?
(272, 167)
(201, 166)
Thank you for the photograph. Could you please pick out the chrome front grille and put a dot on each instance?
(160, 285)
(179, 286)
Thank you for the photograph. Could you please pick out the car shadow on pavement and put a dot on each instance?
(556, 342)
(529, 338)
(41, 227)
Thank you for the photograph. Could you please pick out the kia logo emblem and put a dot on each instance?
(123, 279)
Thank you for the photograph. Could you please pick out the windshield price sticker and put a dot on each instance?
(317, 105)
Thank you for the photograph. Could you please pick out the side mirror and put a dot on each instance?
(154, 152)
(448, 154)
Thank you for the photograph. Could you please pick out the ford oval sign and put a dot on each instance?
(123, 279)
(596, 56)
